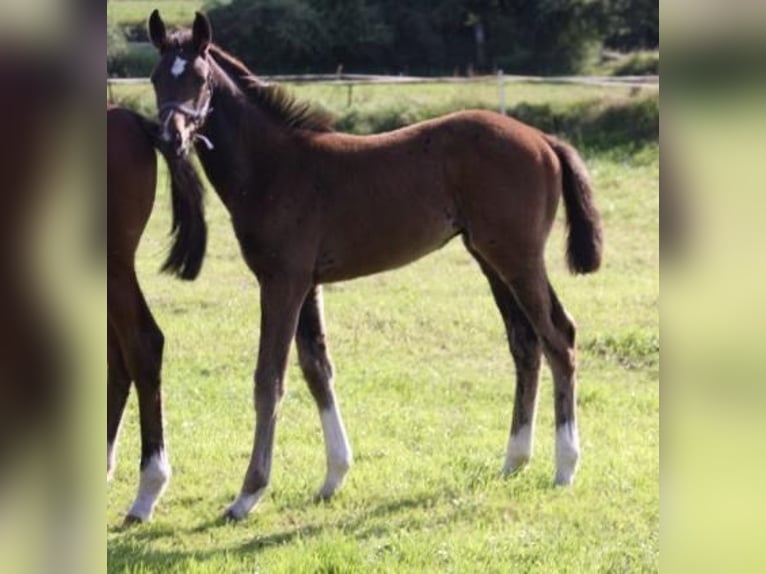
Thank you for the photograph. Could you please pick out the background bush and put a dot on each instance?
(424, 37)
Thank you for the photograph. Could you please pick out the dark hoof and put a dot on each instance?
(320, 498)
(131, 520)
(230, 517)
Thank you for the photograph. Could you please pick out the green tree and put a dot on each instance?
(633, 24)
(271, 35)
(428, 36)
(356, 34)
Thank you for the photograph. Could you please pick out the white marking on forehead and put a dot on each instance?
(179, 65)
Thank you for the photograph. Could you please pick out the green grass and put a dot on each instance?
(447, 95)
(425, 383)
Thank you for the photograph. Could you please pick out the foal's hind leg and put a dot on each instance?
(318, 372)
(142, 343)
(567, 435)
(526, 351)
(556, 332)
(117, 389)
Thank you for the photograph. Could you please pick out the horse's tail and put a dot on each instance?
(189, 231)
(585, 240)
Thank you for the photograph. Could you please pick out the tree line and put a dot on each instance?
(430, 36)
(419, 37)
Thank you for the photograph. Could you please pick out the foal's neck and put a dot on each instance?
(245, 143)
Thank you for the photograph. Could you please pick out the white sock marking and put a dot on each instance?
(567, 453)
(244, 503)
(154, 479)
(338, 451)
(519, 450)
(179, 66)
(111, 460)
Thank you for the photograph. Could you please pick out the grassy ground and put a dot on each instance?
(426, 387)
(449, 95)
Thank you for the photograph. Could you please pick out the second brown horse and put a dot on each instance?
(134, 340)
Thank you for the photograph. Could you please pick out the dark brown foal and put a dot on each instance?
(311, 206)
(134, 340)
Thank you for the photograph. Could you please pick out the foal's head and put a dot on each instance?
(182, 79)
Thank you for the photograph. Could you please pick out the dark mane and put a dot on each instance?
(273, 98)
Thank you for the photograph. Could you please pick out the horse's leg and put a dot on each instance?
(567, 435)
(526, 352)
(318, 372)
(556, 331)
(142, 342)
(117, 389)
(281, 300)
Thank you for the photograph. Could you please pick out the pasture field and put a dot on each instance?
(452, 96)
(426, 386)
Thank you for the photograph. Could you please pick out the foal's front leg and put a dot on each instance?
(318, 372)
(281, 300)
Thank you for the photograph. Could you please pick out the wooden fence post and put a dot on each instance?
(501, 90)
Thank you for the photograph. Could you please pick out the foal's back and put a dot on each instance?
(388, 199)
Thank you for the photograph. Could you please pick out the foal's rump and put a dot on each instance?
(509, 180)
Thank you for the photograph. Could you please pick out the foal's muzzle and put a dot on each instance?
(176, 131)
(179, 124)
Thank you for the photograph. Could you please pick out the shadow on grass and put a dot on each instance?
(133, 551)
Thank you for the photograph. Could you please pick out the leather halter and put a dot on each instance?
(196, 116)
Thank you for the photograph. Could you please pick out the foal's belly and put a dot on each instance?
(380, 242)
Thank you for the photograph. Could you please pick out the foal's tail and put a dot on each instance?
(585, 241)
(189, 231)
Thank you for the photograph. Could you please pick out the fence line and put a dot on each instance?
(351, 80)
(366, 79)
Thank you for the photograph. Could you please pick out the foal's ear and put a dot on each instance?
(157, 32)
(202, 33)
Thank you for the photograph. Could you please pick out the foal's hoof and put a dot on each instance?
(242, 506)
(564, 479)
(231, 515)
(322, 496)
(132, 520)
(335, 479)
(515, 466)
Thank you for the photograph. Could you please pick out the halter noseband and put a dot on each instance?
(196, 116)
